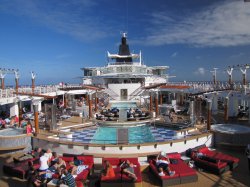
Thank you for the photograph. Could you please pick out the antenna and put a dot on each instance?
(126, 27)
(125, 24)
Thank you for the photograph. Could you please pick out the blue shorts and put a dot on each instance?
(164, 166)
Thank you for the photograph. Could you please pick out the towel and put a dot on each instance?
(81, 168)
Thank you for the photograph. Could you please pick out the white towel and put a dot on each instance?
(80, 168)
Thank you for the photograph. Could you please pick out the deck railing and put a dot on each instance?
(196, 86)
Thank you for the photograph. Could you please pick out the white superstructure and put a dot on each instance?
(124, 74)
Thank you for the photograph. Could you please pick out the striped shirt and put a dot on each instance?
(69, 180)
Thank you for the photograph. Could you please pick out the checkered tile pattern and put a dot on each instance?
(84, 136)
(162, 134)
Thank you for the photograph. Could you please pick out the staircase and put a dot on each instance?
(111, 93)
(105, 96)
(139, 91)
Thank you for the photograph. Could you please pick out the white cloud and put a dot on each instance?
(63, 56)
(72, 17)
(237, 55)
(174, 55)
(200, 71)
(223, 24)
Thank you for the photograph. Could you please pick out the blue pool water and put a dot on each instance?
(139, 134)
(105, 135)
(124, 105)
(11, 132)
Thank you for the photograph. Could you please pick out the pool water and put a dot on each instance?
(138, 134)
(124, 105)
(230, 128)
(105, 135)
(11, 132)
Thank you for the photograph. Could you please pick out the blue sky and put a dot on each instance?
(55, 38)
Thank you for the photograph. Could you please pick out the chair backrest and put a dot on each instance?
(86, 158)
(112, 161)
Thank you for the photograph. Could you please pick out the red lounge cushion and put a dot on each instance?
(136, 169)
(132, 160)
(182, 169)
(68, 159)
(117, 178)
(209, 159)
(36, 166)
(176, 175)
(221, 164)
(112, 161)
(115, 162)
(174, 155)
(129, 179)
(152, 161)
(218, 165)
(218, 155)
(204, 150)
(83, 175)
(79, 184)
(19, 170)
(86, 159)
(225, 157)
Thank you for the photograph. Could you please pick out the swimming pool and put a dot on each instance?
(138, 134)
(124, 105)
(231, 134)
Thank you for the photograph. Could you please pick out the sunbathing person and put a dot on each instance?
(68, 178)
(30, 155)
(49, 155)
(108, 170)
(77, 166)
(44, 162)
(59, 163)
(34, 179)
(128, 169)
(163, 162)
(37, 152)
(55, 158)
(161, 171)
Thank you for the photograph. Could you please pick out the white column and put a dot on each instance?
(191, 109)
(14, 109)
(31, 107)
(39, 106)
(174, 104)
(233, 106)
(215, 103)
